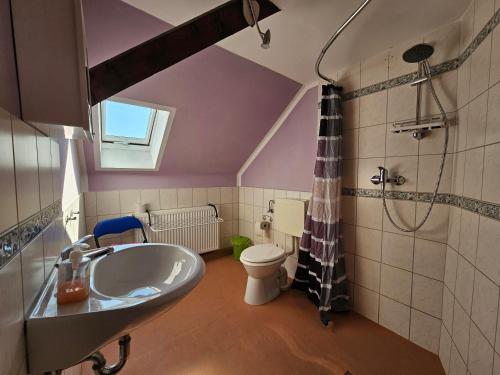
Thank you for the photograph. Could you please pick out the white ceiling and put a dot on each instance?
(302, 27)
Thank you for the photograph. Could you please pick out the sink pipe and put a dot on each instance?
(99, 362)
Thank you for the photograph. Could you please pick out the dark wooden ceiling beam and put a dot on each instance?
(148, 58)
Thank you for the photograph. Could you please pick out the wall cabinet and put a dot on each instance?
(52, 66)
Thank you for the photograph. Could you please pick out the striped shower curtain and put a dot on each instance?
(321, 268)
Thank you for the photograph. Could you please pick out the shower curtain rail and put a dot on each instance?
(332, 39)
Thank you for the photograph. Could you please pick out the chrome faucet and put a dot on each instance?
(87, 251)
(382, 178)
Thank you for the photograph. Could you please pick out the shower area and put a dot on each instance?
(420, 189)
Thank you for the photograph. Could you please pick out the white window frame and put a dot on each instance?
(146, 141)
(123, 156)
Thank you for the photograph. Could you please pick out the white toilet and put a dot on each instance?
(263, 263)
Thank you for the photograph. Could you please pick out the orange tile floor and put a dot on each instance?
(212, 331)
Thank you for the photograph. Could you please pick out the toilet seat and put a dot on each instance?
(260, 254)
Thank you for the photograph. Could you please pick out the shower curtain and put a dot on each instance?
(321, 267)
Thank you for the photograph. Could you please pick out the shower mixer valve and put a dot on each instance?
(383, 177)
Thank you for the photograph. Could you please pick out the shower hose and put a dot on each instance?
(441, 167)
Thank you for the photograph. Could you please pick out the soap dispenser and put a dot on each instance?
(73, 279)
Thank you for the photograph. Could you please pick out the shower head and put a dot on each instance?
(251, 10)
(266, 39)
(418, 53)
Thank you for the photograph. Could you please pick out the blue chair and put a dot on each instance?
(117, 226)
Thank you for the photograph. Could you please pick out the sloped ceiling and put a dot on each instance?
(225, 103)
(300, 30)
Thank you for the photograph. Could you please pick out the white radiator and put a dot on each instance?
(196, 228)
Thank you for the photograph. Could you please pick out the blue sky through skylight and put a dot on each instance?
(126, 120)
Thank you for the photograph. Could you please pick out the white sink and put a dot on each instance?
(129, 286)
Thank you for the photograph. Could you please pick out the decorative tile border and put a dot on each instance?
(444, 67)
(18, 237)
(488, 209)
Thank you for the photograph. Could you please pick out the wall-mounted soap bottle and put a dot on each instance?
(73, 278)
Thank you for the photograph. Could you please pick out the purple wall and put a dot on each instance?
(225, 103)
(9, 94)
(287, 161)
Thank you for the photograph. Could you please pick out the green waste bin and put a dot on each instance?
(240, 243)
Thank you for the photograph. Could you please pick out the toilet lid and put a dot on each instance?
(262, 253)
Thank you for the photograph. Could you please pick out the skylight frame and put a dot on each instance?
(124, 140)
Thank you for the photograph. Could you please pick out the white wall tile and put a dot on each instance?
(436, 226)
(428, 170)
(405, 166)
(25, 156)
(128, 200)
(368, 243)
(226, 195)
(461, 327)
(400, 144)
(454, 227)
(448, 306)
(236, 194)
(151, 197)
(12, 344)
(469, 228)
(425, 330)
(493, 117)
(90, 199)
(394, 316)
(427, 295)
(397, 250)
(430, 259)
(258, 197)
(350, 144)
(372, 141)
(445, 349)
(396, 284)
(184, 197)
(457, 365)
(366, 169)
(491, 179)
(213, 195)
(476, 129)
(200, 197)
(485, 305)
(402, 212)
(366, 303)
(480, 353)
(367, 273)
(108, 202)
(7, 174)
(168, 199)
(373, 109)
(495, 57)
(33, 270)
(480, 68)
(450, 271)
(473, 173)
(465, 283)
(369, 212)
(249, 195)
(488, 256)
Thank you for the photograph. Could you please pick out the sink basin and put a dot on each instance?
(129, 286)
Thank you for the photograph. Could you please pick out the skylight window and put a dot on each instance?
(131, 135)
(127, 123)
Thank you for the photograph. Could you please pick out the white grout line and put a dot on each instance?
(277, 125)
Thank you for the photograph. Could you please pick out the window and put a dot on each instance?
(127, 123)
(131, 135)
